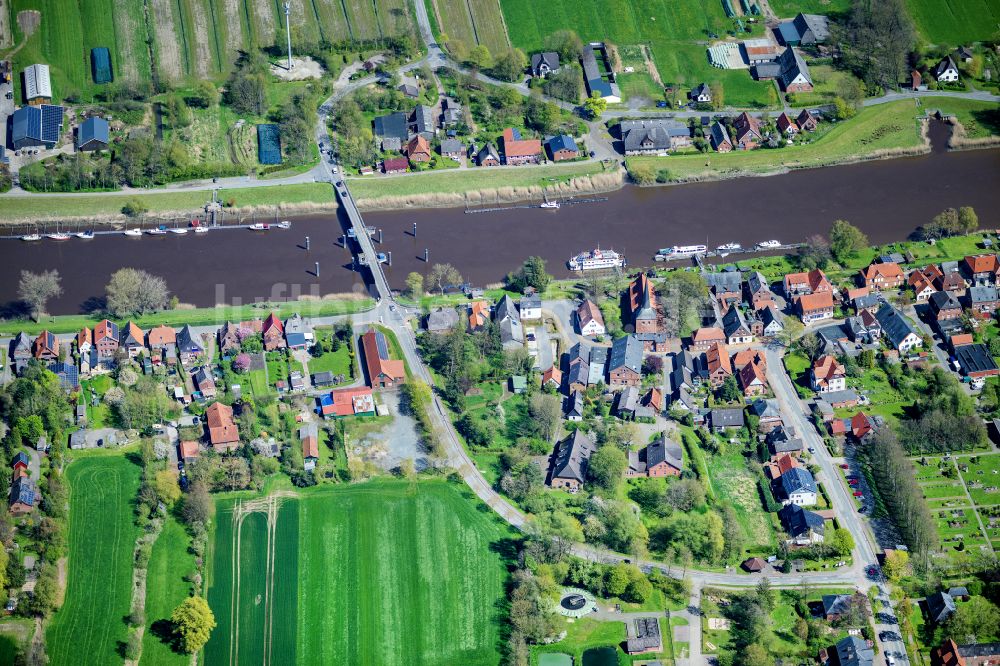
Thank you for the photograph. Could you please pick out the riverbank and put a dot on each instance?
(328, 306)
(484, 186)
(106, 209)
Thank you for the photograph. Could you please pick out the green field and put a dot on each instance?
(78, 206)
(102, 536)
(789, 8)
(676, 31)
(165, 590)
(955, 22)
(473, 22)
(189, 39)
(388, 573)
(882, 130)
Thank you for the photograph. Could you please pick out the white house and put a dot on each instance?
(897, 329)
(531, 307)
(804, 527)
(797, 486)
(589, 319)
(946, 71)
(828, 375)
(702, 94)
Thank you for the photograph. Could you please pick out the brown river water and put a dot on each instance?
(887, 199)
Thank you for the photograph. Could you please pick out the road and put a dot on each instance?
(864, 548)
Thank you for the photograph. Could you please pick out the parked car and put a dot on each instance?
(858, 493)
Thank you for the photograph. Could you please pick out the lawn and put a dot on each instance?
(165, 590)
(368, 189)
(879, 131)
(102, 537)
(110, 205)
(339, 362)
(978, 120)
(586, 633)
(473, 22)
(955, 22)
(983, 478)
(732, 481)
(789, 8)
(640, 84)
(677, 33)
(198, 316)
(389, 572)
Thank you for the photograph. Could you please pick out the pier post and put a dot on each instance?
(343, 240)
(307, 242)
(414, 229)
(379, 236)
(317, 269)
(426, 255)
(390, 258)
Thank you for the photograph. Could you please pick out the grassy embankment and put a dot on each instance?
(346, 304)
(482, 186)
(877, 132)
(102, 535)
(166, 588)
(107, 207)
(386, 572)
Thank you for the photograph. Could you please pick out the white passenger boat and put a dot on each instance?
(768, 244)
(729, 247)
(680, 252)
(596, 259)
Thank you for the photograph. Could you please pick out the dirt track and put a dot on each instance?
(6, 40)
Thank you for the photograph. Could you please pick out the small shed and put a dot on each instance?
(100, 65)
(94, 134)
(518, 383)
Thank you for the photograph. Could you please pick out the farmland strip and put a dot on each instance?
(215, 38)
(334, 19)
(347, 17)
(378, 19)
(178, 9)
(169, 58)
(200, 35)
(319, 21)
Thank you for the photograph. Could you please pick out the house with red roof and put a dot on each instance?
(188, 451)
(84, 341)
(718, 364)
(223, 434)
(747, 131)
(46, 347)
(518, 151)
(395, 165)
(106, 338)
(346, 402)
(815, 307)
(418, 149)
(813, 282)
(981, 269)
(882, 275)
(552, 377)
(828, 375)
(922, 284)
(703, 338)
(753, 381)
(273, 332)
(479, 314)
(383, 371)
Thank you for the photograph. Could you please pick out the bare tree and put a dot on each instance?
(135, 292)
(443, 275)
(36, 289)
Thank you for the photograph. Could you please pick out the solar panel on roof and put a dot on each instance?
(383, 348)
(52, 117)
(268, 144)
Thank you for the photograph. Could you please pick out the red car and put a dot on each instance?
(844, 466)
(858, 493)
(853, 482)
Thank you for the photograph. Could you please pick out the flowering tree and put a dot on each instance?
(241, 363)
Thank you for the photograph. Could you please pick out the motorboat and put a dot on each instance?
(201, 230)
(730, 247)
(158, 231)
(58, 236)
(31, 238)
(551, 205)
(259, 226)
(180, 231)
(284, 224)
(85, 235)
(133, 233)
(596, 259)
(680, 252)
(769, 244)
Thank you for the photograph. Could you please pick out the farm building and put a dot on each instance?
(268, 144)
(36, 126)
(309, 435)
(562, 147)
(602, 84)
(37, 85)
(393, 125)
(93, 134)
(382, 371)
(100, 65)
(346, 402)
(804, 29)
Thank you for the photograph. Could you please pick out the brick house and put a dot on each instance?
(642, 305)
(813, 282)
(625, 362)
(273, 332)
(828, 375)
(882, 276)
(815, 307)
(517, 151)
(718, 364)
(382, 371)
(106, 338)
(223, 434)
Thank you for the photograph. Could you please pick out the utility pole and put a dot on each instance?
(288, 33)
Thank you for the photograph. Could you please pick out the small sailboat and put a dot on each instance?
(259, 226)
(31, 238)
(58, 235)
(85, 235)
(180, 231)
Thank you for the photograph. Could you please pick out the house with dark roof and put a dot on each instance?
(545, 63)
(597, 83)
(441, 320)
(488, 156)
(392, 125)
(298, 334)
(132, 339)
(851, 651)
(94, 134)
(726, 287)
(768, 413)
(651, 136)
(625, 362)
(36, 126)
(203, 379)
(561, 147)
(771, 322)
(452, 148)
(837, 606)
(189, 346)
(68, 375)
(804, 29)
(747, 131)
(786, 125)
(21, 351)
(806, 121)
(946, 71)
(950, 653)
(804, 527)
(797, 486)
(508, 320)
(23, 496)
(983, 300)
(735, 327)
(570, 460)
(409, 90)
(976, 361)
(646, 636)
(897, 329)
(720, 138)
(794, 75)
(725, 418)
(663, 457)
(574, 407)
(940, 606)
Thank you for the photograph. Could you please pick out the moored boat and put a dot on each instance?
(729, 247)
(259, 226)
(58, 236)
(768, 244)
(596, 259)
(180, 231)
(551, 205)
(158, 231)
(30, 238)
(201, 230)
(85, 235)
(133, 233)
(284, 224)
(680, 252)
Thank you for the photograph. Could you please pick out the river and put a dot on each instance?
(887, 199)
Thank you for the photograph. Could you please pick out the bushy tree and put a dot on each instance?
(606, 468)
(193, 622)
(531, 274)
(595, 105)
(37, 289)
(133, 292)
(846, 240)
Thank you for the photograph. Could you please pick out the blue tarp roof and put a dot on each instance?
(268, 144)
(100, 65)
(93, 129)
